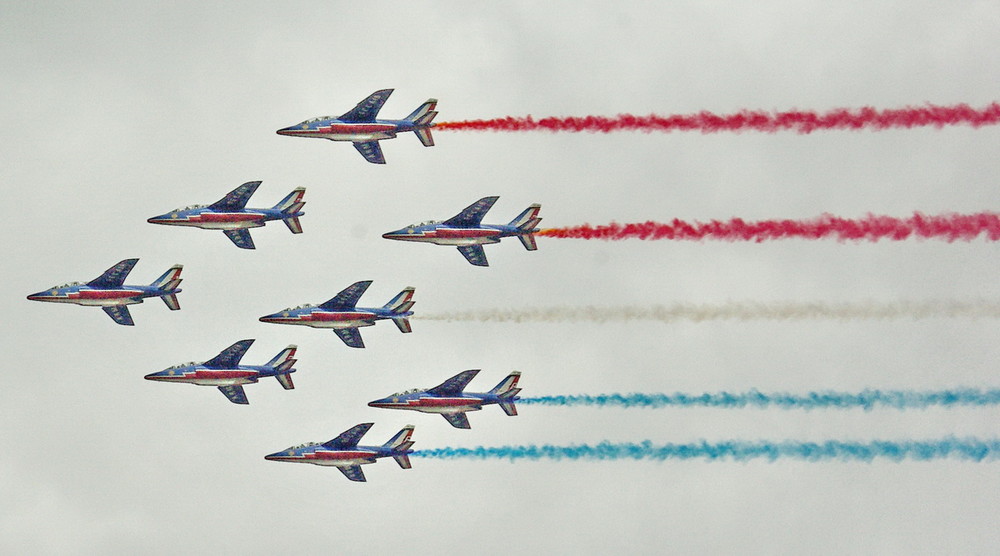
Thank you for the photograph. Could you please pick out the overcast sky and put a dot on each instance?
(116, 112)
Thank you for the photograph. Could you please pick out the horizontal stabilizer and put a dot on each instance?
(293, 224)
(403, 324)
(528, 241)
(171, 301)
(403, 460)
(424, 134)
(286, 381)
(508, 408)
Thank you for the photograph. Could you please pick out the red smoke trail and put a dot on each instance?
(950, 227)
(801, 121)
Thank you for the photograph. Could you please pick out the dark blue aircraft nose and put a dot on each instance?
(286, 130)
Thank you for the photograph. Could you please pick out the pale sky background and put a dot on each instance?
(115, 112)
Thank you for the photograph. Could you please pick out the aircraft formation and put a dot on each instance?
(340, 313)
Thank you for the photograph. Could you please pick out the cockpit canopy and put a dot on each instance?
(424, 223)
(189, 207)
(410, 391)
(304, 306)
(182, 365)
(305, 445)
(70, 284)
(318, 119)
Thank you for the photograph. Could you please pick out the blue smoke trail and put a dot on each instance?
(969, 449)
(866, 399)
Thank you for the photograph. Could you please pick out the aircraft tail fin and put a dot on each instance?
(282, 364)
(293, 201)
(424, 114)
(527, 223)
(169, 282)
(402, 302)
(403, 324)
(170, 279)
(283, 356)
(400, 446)
(507, 391)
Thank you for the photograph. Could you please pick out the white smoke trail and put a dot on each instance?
(977, 309)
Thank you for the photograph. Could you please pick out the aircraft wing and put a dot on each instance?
(348, 438)
(367, 109)
(371, 151)
(240, 237)
(457, 420)
(236, 199)
(113, 277)
(354, 473)
(455, 384)
(230, 357)
(235, 394)
(473, 214)
(348, 298)
(120, 314)
(350, 336)
(474, 254)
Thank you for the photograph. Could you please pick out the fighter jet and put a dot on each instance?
(466, 231)
(342, 315)
(451, 402)
(225, 372)
(360, 126)
(109, 292)
(344, 453)
(230, 214)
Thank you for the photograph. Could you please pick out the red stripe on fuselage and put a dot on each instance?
(340, 455)
(226, 217)
(345, 128)
(338, 316)
(443, 402)
(462, 232)
(105, 294)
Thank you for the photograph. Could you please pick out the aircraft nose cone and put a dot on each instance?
(33, 297)
(156, 220)
(272, 457)
(285, 131)
(394, 235)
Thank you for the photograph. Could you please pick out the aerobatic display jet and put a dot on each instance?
(450, 400)
(225, 372)
(466, 231)
(360, 126)
(344, 453)
(230, 214)
(109, 292)
(343, 316)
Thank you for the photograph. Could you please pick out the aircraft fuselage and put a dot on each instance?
(358, 132)
(94, 297)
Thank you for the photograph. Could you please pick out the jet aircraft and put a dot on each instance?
(466, 231)
(109, 292)
(230, 214)
(343, 316)
(225, 372)
(344, 453)
(360, 126)
(450, 400)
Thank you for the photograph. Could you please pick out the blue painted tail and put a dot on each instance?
(422, 117)
(507, 391)
(399, 445)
